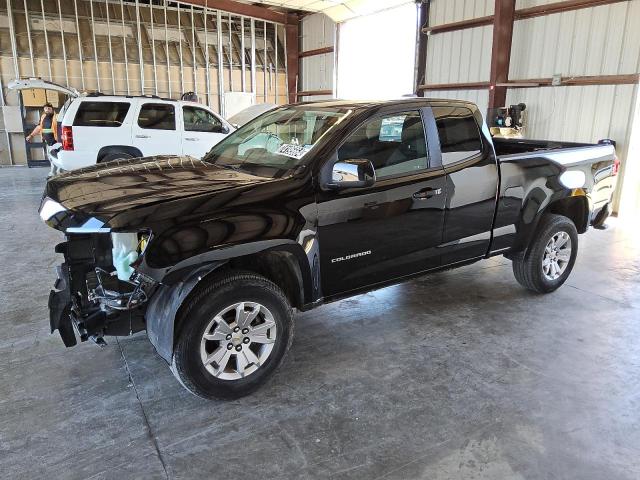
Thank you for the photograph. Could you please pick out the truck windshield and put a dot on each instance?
(276, 141)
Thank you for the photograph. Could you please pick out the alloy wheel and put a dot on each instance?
(238, 340)
(557, 254)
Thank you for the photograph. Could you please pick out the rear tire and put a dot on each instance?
(550, 257)
(233, 335)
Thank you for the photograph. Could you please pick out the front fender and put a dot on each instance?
(179, 281)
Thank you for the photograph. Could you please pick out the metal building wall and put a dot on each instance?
(602, 40)
(181, 46)
(460, 56)
(317, 71)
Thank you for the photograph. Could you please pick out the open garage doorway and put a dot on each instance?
(382, 67)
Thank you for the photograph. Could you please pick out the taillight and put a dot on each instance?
(67, 138)
(616, 166)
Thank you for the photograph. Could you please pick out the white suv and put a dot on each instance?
(96, 128)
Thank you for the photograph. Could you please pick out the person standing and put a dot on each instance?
(48, 128)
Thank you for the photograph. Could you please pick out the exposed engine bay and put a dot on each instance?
(98, 291)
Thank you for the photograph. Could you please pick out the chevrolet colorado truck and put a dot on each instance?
(307, 204)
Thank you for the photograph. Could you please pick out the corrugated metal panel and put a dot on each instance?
(460, 56)
(448, 11)
(316, 72)
(317, 31)
(602, 40)
(479, 97)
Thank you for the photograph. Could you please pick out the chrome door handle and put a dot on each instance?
(142, 136)
(192, 139)
(427, 193)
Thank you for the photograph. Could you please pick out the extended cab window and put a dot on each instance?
(394, 143)
(459, 134)
(101, 114)
(200, 120)
(157, 116)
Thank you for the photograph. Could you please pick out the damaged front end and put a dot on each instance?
(98, 292)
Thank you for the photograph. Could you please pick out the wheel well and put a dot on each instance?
(280, 267)
(574, 208)
(129, 150)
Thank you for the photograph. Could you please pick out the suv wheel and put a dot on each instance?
(550, 258)
(234, 333)
(115, 156)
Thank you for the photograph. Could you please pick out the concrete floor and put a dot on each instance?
(462, 374)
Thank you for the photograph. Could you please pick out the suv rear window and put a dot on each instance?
(157, 116)
(101, 114)
(458, 132)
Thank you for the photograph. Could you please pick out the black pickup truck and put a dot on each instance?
(307, 204)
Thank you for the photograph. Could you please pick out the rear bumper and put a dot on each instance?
(72, 160)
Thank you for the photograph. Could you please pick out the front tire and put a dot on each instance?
(234, 333)
(550, 257)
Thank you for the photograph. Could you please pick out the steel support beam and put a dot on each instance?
(420, 63)
(64, 48)
(166, 48)
(28, 22)
(95, 46)
(292, 27)
(253, 59)
(624, 79)
(242, 55)
(501, 51)
(521, 14)
(75, 9)
(140, 59)
(221, 108)
(124, 47)
(12, 34)
(255, 11)
(46, 39)
(454, 86)
(153, 49)
(264, 63)
(317, 51)
(113, 76)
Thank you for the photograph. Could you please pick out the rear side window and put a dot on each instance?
(157, 116)
(458, 132)
(101, 114)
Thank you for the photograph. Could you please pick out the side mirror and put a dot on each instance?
(355, 173)
(219, 129)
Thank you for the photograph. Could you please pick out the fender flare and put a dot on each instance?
(180, 281)
(128, 149)
(538, 203)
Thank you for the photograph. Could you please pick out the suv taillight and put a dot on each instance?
(67, 138)
(616, 166)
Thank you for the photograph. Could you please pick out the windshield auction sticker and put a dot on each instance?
(293, 151)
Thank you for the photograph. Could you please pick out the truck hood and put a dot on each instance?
(123, 187)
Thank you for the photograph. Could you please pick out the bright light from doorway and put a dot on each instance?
(376, 55)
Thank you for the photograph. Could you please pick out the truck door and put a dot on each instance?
(154, 129)
(202, 130)
(393, 228)
(472, 182)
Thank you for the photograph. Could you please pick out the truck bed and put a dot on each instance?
(563, 153)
